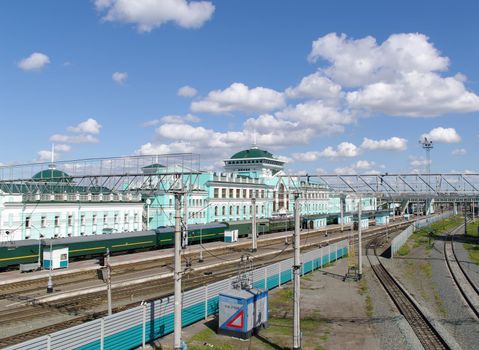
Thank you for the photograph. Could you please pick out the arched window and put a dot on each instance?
(231, 210)
(216, 211)
(223, 211)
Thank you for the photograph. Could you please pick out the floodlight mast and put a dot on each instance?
(427, 146)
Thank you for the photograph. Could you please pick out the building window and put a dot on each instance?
(216, 211)
(231, 193)
(115, 218)
(57, 221)
(94, 219)
(223, 192)
(171, 202)
(231, 210)
(250, 193)
(105, 219)
(237, 210)
(244, 210)
(244, 193)
(262, 193)
(238, 193)
(216, 193)
(43, 221)
(262, 209)
(223, 211)
(135, 217)
(27, 222)
(257, 193)
(82, 219)
(125, 218)
(70, 220)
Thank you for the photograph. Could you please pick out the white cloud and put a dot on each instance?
(84, 138)
(361, 166)
(176, 147)
(150, 14)
(343, 150)
(267, 122)
(364, 164)
(416, 94)
(392, 144)
(62, 148)
(35, 61)
(419, 164)
(46, 155)
(324, 118)
(315, 85)
(239, 97)
(89, 126)
(458, 152)
(215, 144)
(362, 61)
(442, 135)
(187, 91)
(120, 77)
(403, 76)
(176, 119)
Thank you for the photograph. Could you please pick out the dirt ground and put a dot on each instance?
(335, 314)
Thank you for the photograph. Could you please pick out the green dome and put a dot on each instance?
(252, 153)
(52, 175)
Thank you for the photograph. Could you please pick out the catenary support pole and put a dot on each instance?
(341, 209)
(177, 275)
(253, 223)
(465, 219)
(108, 279)
(50, 282)
(296, 276)
(360, 249)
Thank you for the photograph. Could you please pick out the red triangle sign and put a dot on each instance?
(237, 321)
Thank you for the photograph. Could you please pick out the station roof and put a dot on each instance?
(52, 175)
(252, 153)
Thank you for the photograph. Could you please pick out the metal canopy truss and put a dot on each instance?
(138, 174)
(442, 187)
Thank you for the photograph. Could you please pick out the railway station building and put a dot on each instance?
(65, 209)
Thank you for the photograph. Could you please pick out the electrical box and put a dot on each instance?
(58, 258)
(231, 236)
(243, 312)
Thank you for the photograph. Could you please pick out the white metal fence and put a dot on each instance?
(401, 239)
(137, 326)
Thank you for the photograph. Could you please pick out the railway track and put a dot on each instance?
(463, 282)
(424, 330)
(91, 306)
(33, 285)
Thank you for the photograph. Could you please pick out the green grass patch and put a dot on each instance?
(473, 250)
(440, 304)
(362, 286)
(369, 306)
(404, 250)
(425, 236)
(472, 229)
(203, 335)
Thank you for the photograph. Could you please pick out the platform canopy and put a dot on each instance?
(102, 175)
(445, 187)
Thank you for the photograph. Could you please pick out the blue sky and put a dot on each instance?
(102, 78)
